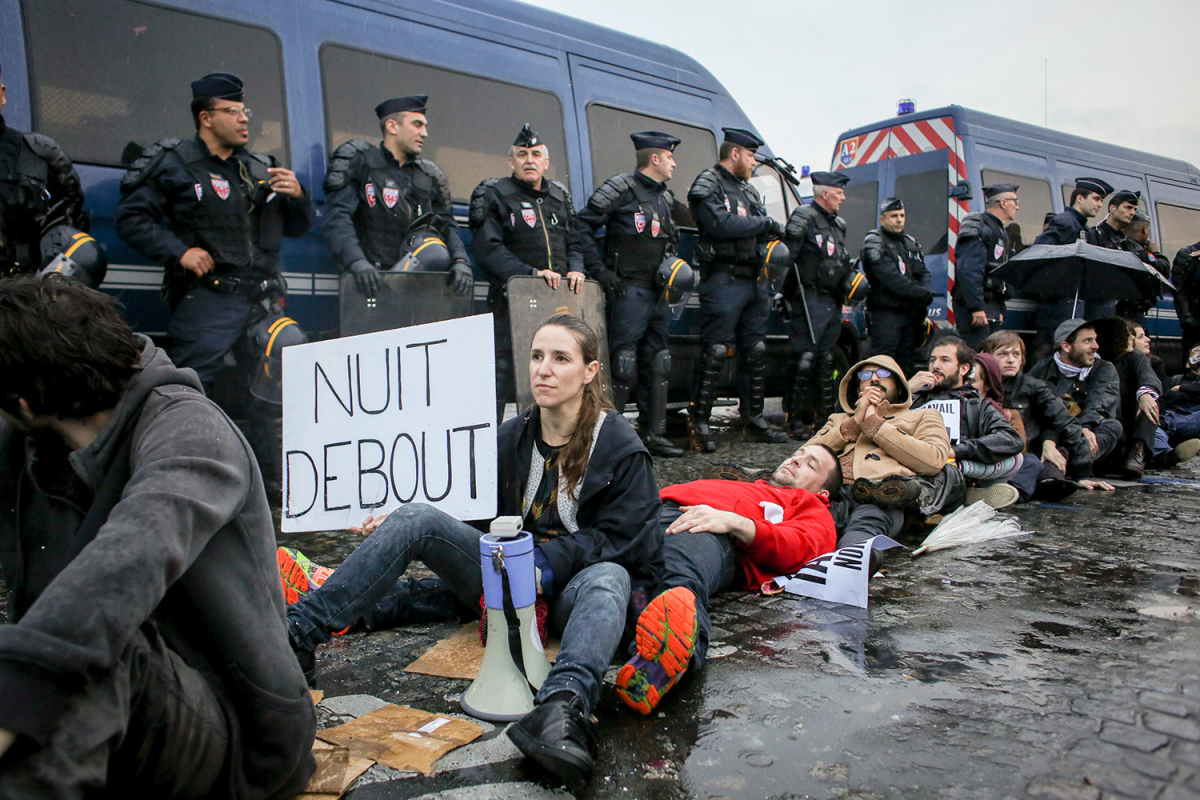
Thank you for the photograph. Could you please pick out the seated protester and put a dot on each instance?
(1140, 389)
(988, 383)
(1180, 425)
(724, 534)
(988, 449)
(1141, 341)
(894, 458)
(580, 477)
(145, 653)
(1054, 443)
(1088, 386)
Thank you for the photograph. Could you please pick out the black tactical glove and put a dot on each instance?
(926, 299)
(775, 229)
(461, 278)
(366, 277)
(611, 283)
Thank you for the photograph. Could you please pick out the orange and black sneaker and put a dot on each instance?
(292, 573)
(666, 639)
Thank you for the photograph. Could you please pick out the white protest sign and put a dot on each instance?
(837, 577)
(376, 421)
(951, 411)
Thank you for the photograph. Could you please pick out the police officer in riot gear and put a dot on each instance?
(215, 214)
(735, 299)
(895, 265)
(375, 193)
(523, 225)
(39, 189)
(636, 211)
(816, 236)
(983, 248)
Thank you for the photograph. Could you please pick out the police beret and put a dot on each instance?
(1124, 196)
(742, 138)
(838, 179)
(891, 204)
(645, 140)
(527, 137)
(999, 188)
(1096, 185)
(222, 85)
(413, 102)
(1065, 329)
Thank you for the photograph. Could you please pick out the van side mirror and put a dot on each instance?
(961, 191)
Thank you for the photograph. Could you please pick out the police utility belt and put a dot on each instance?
(250, 287)
(746, 271)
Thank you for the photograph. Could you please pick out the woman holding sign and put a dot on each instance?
(578, 475)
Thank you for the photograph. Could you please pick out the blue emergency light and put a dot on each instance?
(804, 171)
(906, 106)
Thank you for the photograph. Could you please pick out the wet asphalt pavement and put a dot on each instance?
(1060, 664)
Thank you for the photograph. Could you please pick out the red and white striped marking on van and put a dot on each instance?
(906, 139)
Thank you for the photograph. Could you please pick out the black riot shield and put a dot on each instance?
(404, 299)
(531, 302)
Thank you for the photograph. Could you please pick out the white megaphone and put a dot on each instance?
(501, 693)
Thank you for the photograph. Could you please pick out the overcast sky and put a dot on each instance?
(806, 70)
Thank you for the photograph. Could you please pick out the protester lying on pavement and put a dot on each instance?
(146, 654)
(722, 534)
(987, 449)
(894, 458)
(580, 477)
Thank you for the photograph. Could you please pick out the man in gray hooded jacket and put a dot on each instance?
(145, 651)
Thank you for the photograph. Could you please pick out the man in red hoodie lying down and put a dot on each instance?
(724, 534)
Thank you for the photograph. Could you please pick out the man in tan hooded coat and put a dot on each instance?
(894, 459)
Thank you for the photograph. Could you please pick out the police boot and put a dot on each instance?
(654, 434)
(799, 391)
(624, 367)
(703, 393)
(752, 411)
(828, 383)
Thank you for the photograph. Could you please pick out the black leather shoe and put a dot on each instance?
(1135, 463)
(1052, 490)
(701, 437)
(559, 737)
(897, 492)
(761, 430)
(661, 446)
(799, 430)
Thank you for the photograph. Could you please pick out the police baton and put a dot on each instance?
(804, 302)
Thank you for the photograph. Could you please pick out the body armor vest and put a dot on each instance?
(538, 226)
(823, 260)
(739, 252)
(988, 229)
(23, 202)
(636, 256)
(390, 199)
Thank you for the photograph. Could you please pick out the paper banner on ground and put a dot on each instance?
(403, 738)
(837, 577)
(373, 422)
(951, 411)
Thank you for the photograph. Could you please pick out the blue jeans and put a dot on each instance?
(589, 612)
(705, 563)
(1182, 425)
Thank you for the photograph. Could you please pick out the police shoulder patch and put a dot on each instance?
(704, 186)
(146, 163)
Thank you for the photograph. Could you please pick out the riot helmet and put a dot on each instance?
(267, 338)
(677, 280)
(777, 260)
(424, 251)
(73, 253)
(854, 287)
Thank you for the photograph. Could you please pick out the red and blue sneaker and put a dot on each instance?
(666, 639)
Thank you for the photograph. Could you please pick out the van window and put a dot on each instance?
(111, 77)
(926, 208)
(472, 120)
(770, 187)
(613, 153)
(1034, 194)
(860, 209)
(1070, 187)
(1178, 226)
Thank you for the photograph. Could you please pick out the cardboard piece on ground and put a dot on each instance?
(403, 738)
(460, 655)
(336, 771)
(317, 696)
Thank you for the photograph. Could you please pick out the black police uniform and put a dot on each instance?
(900, 295)
(39, 189)
(371, 199)
(1066, 227)
(519, 230)
(817, 238)
(227, 208)
(1105, 235)
(982, 248)
(637, 215)
(735, 300)
(1185, 274)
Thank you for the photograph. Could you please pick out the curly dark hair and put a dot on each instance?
(64, 348)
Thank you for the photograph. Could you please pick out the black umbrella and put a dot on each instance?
(1081, 270)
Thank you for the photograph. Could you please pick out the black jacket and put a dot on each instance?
(982, 247)
(1090, 401)
(180, 536)
(1064, 228)
(895, 268)
(985, 436)
(1185, 274)
(1046, 419)
(638, 216)
(1134, 371)
(1182, 394)
(618, 501)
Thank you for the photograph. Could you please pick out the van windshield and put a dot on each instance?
(925, 205)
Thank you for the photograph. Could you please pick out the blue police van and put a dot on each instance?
(937, 161)
(107, 78)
